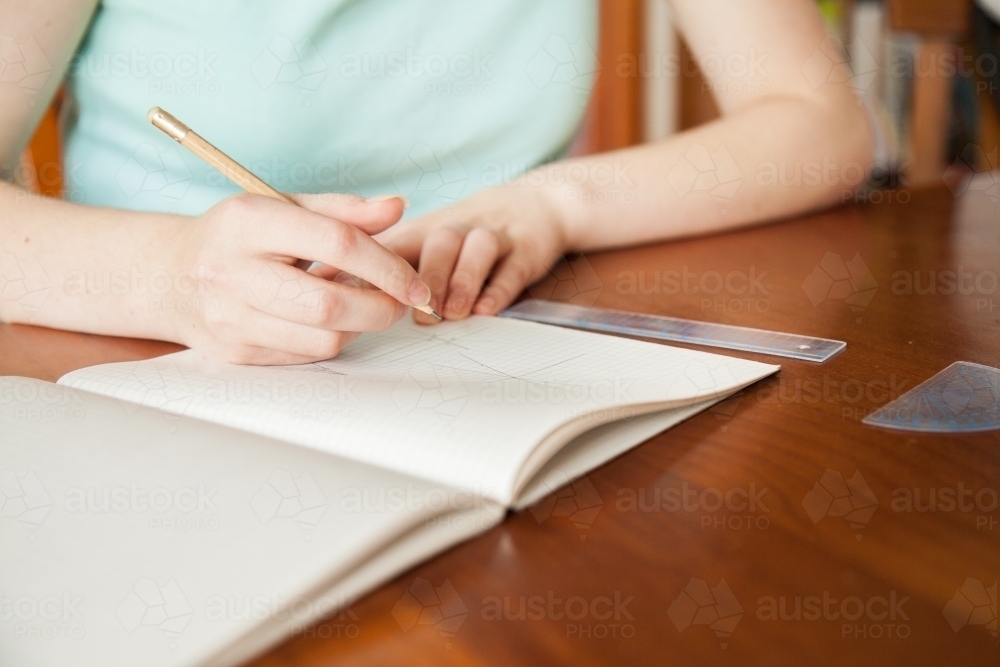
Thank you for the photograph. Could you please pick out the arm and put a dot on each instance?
(223, 282)
(55, 28)
(773, 116)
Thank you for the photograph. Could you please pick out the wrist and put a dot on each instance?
(564, 201)
(176, 285)
(549, 207)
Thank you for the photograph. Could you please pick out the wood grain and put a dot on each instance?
(776, 441)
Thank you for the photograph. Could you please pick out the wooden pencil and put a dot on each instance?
(229, 168)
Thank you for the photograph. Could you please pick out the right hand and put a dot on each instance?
(258, 308)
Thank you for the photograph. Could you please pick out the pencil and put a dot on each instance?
(229, 168)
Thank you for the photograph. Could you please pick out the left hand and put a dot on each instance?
(478, 255)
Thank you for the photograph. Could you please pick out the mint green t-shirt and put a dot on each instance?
(432, 99)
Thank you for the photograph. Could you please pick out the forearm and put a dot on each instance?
(772, 159)
(90, 269)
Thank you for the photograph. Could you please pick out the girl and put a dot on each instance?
(463, 107)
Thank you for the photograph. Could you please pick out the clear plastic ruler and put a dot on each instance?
(963, 398)
(793, 346)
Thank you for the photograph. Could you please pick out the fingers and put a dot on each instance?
(512, 275)
(252, 355)
(325, 272)
(437, 260)
(241, 334)
(260, 329)
(277, 228)
(289, 294)
(333, 273)
(480, 251)
(406, 240)
(454, 262)
(369, 215)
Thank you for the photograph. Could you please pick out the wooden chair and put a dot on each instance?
(41, 169)
(941, 26)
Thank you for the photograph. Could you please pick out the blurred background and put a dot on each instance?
(927, 70)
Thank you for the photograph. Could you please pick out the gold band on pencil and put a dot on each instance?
(226, 165)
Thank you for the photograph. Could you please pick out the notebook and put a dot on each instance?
(180, 512)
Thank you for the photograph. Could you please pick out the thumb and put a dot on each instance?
(369, 215)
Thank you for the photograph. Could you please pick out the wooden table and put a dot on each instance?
(660, 544)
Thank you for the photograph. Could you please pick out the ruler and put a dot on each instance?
(793, 346)
(963, 398)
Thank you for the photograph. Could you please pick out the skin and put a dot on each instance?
(228, 264)
(474, 257)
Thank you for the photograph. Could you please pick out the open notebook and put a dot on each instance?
(199, 512)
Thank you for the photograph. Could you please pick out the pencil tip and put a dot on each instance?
(429, 311)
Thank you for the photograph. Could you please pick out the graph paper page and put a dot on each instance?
(461, 403)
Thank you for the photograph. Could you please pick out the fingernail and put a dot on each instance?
(378, 198)
(420, 294)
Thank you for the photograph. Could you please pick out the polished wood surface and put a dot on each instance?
(775, 441)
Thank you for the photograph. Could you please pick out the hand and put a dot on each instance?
(504, 238)
(259, 309)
